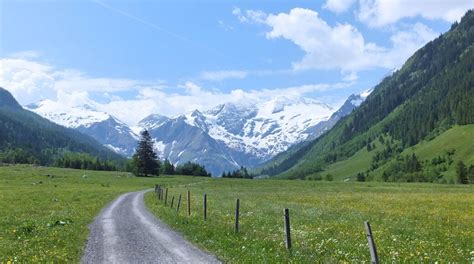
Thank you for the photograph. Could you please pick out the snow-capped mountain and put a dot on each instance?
(102, 126)
(231, 135)
(223, 138)
(265, 129)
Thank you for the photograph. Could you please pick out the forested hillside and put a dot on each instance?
(432, 92)
(28, 138)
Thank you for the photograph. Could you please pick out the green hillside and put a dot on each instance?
(457, 138)
(431, 93)
(25, 137)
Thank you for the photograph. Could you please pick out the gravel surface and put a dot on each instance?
(126, 232)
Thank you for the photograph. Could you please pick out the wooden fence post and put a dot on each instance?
(374, 259)
(237, 207)
(172, 201)
(166, 197)
(287, 229)
(205, 207)
(189, 203)
(179, 203)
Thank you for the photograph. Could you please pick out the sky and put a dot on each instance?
(134, 58)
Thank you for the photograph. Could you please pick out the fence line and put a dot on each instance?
(163, 194)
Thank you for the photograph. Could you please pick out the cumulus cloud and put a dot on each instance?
(341, 46)
(378, 13)
(31, 81)
(338, 6)
(27, 80)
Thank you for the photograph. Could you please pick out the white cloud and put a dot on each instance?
(338, 6)
(250, 16)
(238, 13)
(31, 81)
(224, 26)
(405, 43)
(350, 77)
(341, 46)
(378, 13)
(28, 81)
(222, 75)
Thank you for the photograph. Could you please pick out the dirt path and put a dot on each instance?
(126, 232)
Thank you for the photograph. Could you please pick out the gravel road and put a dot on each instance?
(126, 232)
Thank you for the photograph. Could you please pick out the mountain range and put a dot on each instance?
(223, 138)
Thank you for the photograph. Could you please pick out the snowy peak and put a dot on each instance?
(280, 103)
(152, 121)
(68, 116)
(260, 130)
(85, 118)
(366, 93)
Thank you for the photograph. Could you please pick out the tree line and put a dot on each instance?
(145, 162)
(241, 173)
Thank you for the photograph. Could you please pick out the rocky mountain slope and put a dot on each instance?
(101, 126)
(223, 138)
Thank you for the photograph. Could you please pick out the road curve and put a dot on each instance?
(126, 232)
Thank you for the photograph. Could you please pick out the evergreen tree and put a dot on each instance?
(470, 174)
(461, 171)
(168, 168)
(360, 177)
(145, 160)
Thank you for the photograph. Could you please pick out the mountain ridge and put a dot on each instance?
(231, 134)
(431, 92)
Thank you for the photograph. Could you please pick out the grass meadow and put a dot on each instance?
(45, 213)
(410, 222)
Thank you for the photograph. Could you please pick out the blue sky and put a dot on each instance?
(132, 58)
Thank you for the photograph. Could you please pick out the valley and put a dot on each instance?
(237, 132)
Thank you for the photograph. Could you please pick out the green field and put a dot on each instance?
(45, 213)
(411, 222)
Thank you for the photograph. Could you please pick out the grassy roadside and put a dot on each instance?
(45, 211)
(411, 222)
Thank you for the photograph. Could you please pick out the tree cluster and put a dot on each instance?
(241, 173)
(145, 162)
(464, 174)
(84, 162)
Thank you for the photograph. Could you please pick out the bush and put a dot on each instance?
(360, 177)
(328, 177)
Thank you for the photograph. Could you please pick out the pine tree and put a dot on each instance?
(168, 168)
(145, 160)
(461, 171)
